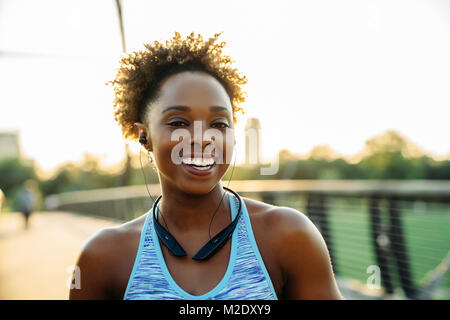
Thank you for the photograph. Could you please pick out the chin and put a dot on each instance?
(198, 187)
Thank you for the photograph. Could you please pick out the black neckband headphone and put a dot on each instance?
(213, 245)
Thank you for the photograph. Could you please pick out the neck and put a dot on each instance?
(186, 212)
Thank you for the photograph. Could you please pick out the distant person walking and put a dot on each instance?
(28, 199)
(2, 199)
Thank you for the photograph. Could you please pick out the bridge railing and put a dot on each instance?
(394, 234)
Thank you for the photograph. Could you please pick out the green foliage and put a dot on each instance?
(84, 177)
(13, 173)
(387, 165)
(383, 165)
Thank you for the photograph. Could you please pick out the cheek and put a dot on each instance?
(221, 146)
(222, 169)
(162, 150)
(167, 145)
(228, 149)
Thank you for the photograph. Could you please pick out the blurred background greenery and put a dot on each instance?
(387, 156)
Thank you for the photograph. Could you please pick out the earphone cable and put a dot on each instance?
(223, 195)
(145, 180)
(231, 176)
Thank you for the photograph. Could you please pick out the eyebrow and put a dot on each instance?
(185, 108)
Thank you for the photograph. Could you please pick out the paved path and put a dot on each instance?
(34, 262)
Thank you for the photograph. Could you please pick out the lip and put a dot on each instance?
(197, 172)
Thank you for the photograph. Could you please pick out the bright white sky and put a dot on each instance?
(320, 72)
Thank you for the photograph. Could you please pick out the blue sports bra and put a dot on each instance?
(246, 277)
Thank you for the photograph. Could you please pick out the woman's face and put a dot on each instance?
(191, 132)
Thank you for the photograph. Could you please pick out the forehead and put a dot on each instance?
(193, 89)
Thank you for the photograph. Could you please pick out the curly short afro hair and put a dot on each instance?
(141, 73)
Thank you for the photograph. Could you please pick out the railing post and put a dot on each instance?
(399, 249)
(268, 197)
(381, 252)
(317, 211)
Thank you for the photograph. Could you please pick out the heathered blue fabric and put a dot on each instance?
(246, 277)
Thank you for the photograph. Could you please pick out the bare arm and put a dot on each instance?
(94, 268)
(305, 259)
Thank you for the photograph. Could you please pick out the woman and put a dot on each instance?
(264, 251)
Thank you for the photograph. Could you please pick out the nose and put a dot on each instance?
(199, 148)
(198, 133)
(199, 140)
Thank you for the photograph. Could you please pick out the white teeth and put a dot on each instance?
(198, 161)
(202, 168)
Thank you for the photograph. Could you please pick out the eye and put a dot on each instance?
(178, 123)
(220, 125)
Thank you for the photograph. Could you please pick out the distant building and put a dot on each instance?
(253, 141)
(9, 145)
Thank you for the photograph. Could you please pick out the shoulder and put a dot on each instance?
(108, 241)
(291, 230)
(300, 251)
(285, 222)
(286, 231)
(101, 258)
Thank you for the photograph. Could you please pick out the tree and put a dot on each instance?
(13, 173)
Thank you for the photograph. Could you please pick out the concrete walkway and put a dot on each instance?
(34, 262)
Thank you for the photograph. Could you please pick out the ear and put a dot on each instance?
(143, 132)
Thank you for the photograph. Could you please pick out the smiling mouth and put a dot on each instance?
(201, 164)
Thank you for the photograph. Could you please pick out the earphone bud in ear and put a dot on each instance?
(143, 140)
